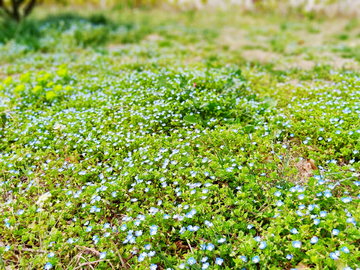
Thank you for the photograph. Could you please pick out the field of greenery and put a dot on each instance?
(179, 140)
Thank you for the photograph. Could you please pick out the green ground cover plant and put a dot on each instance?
(160, 140)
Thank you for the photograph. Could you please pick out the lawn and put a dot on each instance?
(154, 139)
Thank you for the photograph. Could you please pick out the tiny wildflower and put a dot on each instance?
(102, 255)
(296, 244)
(219, 261)
(262, 245)
(191, 261)
(314, 240)
(48, 266)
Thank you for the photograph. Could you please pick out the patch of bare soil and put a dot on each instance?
(305, 168)
(337, 61)
(116, 47)
(153, 37)
(346, 63)
(234, 38)
(260, 55)
(298, 62)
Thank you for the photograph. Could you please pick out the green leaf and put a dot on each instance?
(238, 72)
(340, 265)
(248, 128)
(2, 119)
(162, 256)
(210, 106)
(269, 102)
(162, 82)
(2, 264)
(192, 119)
(183, 82)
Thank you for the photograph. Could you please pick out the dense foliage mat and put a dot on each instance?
(138, 156)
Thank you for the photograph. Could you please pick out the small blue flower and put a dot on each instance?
(335, 231)
(345, 250)
(70, 241)
(48, 266)
(151, 253)
(350, 220)
(314, 240)
(153, 229)
(279, 203)
(153, 267)
(142, 256)
(262, 245)
(346, 199)
(294, 231)
(333, 256)
(256, 259)
(289, 256)
(257, 238)
(243, 258)
(210, 247)
(221, 240)
(102, 255)
(191, 261)
(316, 221)
(208, 223)
(219, 261)
(205, 265)
(296, 244)
(50, 255)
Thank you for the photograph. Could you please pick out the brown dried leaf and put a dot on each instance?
(180, 245)
(305, 168)
(301, 42)
(87, 250)
(312, 163)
